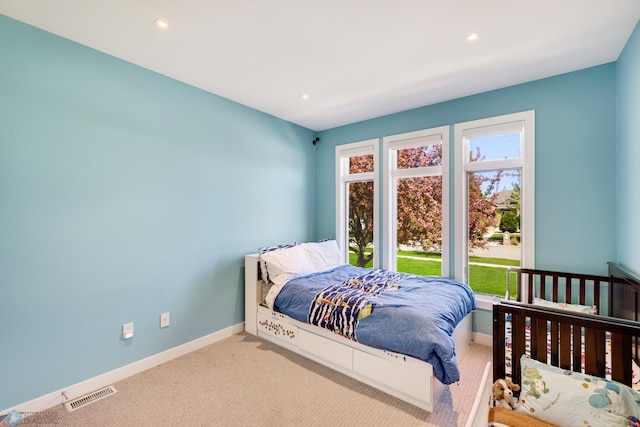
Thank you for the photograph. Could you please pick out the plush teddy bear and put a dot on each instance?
(503, 393)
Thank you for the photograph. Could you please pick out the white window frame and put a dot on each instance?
(390, 146)
(526, 162)
(343, 153)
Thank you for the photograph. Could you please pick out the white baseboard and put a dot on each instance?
(483, 339)
(80, 389)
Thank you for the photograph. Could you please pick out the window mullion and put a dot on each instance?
(356, 177)
(417, 172)
(488, 165)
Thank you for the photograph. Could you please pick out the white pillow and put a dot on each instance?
(264, 250)
(286, 264)
(564, 306)
(323, 255)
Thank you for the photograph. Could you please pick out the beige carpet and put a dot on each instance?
(246, 381)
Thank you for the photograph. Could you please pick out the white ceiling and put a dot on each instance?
(355, 59)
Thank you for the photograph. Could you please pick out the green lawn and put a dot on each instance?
(482, 278)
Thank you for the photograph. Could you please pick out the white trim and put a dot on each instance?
(418, 172)
(389, 232)
(489, 127)
(528, 192)
(494, 165)
(390, 145)
(460, 219)
(80, 389)
(446, 202)
(357, 177)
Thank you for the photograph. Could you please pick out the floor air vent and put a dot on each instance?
(90, 398)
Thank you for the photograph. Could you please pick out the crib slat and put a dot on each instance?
(539, 334)
(621, 359)
(565, 346)
(554, 354)
(499, 365)
(576, 345)
(594, 343)
(518, 349)
(601, 368)
(589, 352)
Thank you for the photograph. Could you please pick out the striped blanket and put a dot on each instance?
(339, 308)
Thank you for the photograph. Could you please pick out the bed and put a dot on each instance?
(574, 367)
(353, 344)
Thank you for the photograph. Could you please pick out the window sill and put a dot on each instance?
(485, 302)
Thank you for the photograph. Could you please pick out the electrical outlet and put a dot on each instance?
(164, 320)
(127, 331)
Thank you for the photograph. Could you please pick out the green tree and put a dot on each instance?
(509, 221)
(513, 202)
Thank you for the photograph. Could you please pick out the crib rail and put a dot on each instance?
(572, 288)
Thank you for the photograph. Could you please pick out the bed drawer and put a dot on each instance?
(326, 349)
(406, 379)
(276, 327)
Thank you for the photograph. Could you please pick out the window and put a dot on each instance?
(357, 202)
(415, 202)
(494, 199)
(494, 195)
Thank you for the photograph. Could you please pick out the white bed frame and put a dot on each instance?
(404, 377)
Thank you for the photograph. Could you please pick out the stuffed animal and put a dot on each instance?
(503, 393)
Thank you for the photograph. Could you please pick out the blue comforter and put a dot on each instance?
(405, 313)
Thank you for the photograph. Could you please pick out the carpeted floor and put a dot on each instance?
(246, 381)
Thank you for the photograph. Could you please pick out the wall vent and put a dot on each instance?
(90, 398)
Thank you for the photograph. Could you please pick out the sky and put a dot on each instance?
(496, 147)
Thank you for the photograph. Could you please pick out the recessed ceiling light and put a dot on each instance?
(161, 23)
(304, 96)
(471, 37)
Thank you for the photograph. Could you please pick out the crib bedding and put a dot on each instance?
(398, 312)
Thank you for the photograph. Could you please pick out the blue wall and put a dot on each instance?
(575, 162)
(126, 194)
(628, 152)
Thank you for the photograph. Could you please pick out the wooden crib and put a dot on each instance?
(546, 323)
(545, 333)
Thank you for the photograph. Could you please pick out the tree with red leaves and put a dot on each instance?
(419, 204)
